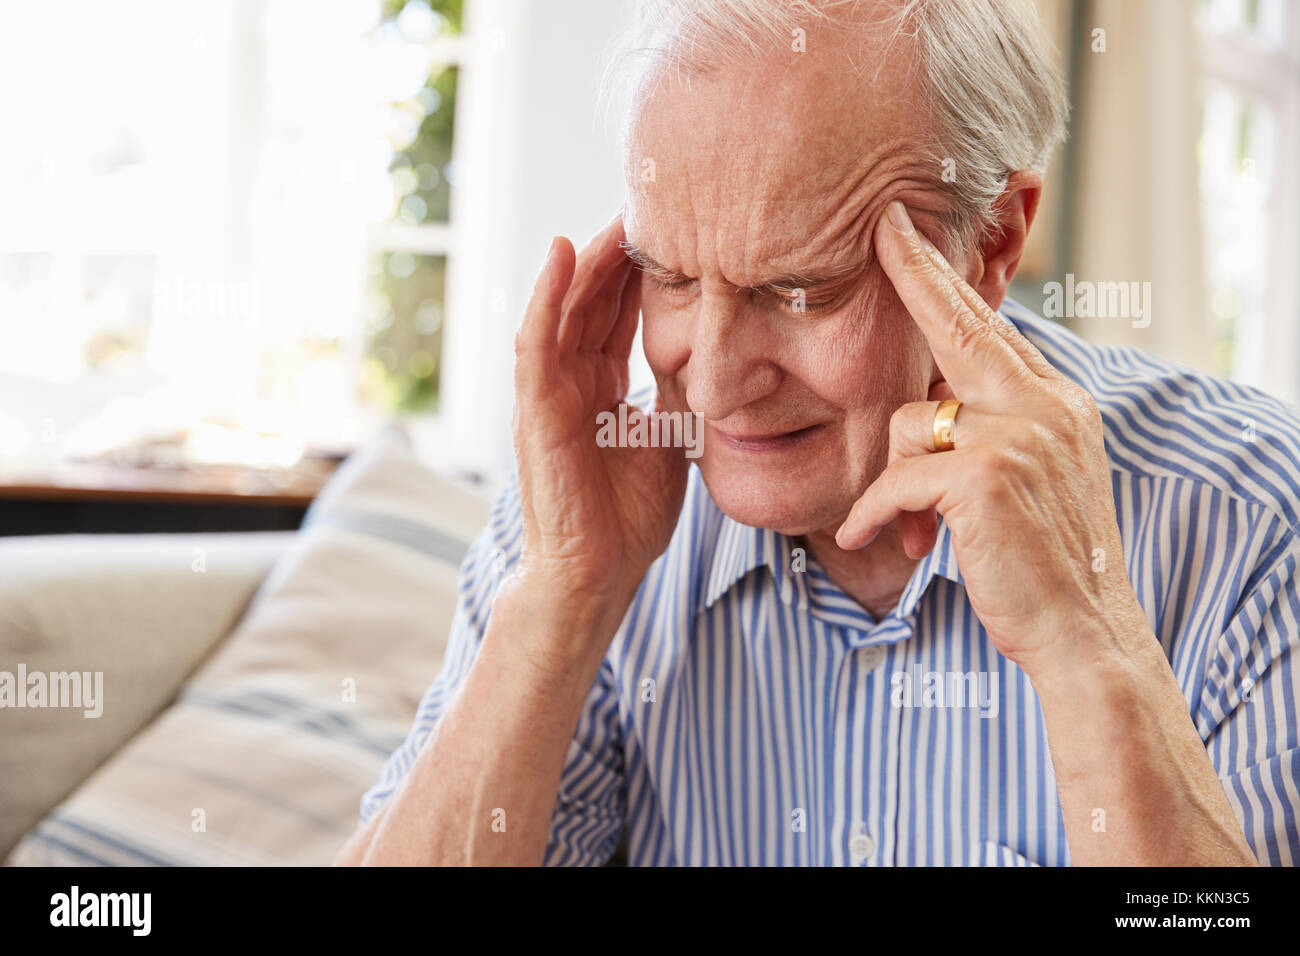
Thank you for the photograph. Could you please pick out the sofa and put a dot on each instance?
(253, 683)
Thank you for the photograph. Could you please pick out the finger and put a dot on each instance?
(623, 334)
(536, 343)
(602, 310)
(592, 286)
(541, 323)
(975, 302)
(974, 358)
(909, 484)
(911, 429)
(918, 530)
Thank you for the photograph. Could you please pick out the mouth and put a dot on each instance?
(767, 441)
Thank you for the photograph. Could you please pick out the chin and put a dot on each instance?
(788, 507)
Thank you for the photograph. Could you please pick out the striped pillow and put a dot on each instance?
(265, 755)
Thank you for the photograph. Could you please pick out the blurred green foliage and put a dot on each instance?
(404, 365)
(429, 156)
(451, 11)
(404, 339)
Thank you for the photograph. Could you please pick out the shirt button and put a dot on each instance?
(871, 657)
(862, 846)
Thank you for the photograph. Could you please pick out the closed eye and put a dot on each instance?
(799, 300)
(678, 284)
(796, 294)
(665, 277)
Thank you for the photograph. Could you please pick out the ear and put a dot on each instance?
(1000, 253)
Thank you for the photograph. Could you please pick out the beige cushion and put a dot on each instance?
(142, 610)
(266, 755)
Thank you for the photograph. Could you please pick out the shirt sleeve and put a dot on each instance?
(590, 804)
(1247, 713)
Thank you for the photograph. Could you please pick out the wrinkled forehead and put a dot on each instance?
(824, 97)
(787, 148)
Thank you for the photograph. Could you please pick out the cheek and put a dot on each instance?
(873, 356)
(665, 332)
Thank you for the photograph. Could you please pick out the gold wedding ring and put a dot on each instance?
(945, 425)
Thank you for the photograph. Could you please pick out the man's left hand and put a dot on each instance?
(1025, 491)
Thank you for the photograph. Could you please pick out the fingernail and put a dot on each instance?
(840, 538)
(898, 217)
(546, 263)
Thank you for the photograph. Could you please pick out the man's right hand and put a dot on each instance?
(594, 518)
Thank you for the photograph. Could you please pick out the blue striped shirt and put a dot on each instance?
(749, 712)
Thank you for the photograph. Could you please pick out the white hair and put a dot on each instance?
(996, 98)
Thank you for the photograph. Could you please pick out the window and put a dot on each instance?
(1249, 144)
(228, 215)
(406, 295)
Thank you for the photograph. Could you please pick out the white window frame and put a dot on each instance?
(1270, 358)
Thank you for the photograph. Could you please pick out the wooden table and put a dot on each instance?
(94, 497)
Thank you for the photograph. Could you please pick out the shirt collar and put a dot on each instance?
(739, 549)
(800, 582)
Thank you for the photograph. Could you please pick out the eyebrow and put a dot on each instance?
(786, 283)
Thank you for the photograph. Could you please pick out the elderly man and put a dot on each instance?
(948, 585)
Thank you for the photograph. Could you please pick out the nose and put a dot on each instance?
(729, 366)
